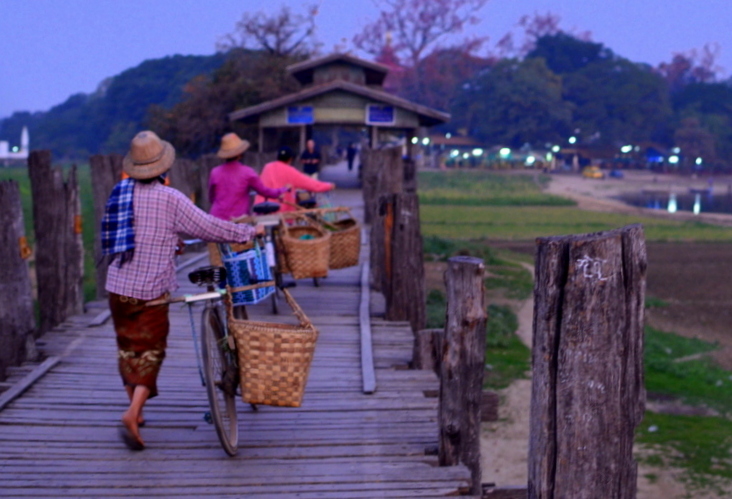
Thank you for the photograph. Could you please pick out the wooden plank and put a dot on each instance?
(9, 395)
(367, 356)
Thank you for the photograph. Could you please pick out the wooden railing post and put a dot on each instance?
(17, 318)
(59, 248)
(462, 366)
(106, 171)
(206, 163)
(587, 390)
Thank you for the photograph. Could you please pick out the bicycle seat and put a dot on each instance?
(204, 276)
(265, 208)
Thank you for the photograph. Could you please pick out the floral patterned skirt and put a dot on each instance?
(142, 334)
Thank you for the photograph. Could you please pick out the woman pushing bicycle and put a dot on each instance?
(141, 226)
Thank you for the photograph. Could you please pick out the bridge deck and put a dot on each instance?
(59, 439)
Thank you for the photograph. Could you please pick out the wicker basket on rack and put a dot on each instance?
(345, 236)
(274, 359)
(305, 245)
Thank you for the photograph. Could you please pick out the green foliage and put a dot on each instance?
(516, 281)
(564, 53)
(513, 103)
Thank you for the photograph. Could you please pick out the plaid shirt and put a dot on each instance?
(161, 214)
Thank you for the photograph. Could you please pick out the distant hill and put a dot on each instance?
(104, 121)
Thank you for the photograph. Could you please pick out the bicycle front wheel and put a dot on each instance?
(221, 376)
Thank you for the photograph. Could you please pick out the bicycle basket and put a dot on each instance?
(245, 268)
(274, 359)
(345, 236)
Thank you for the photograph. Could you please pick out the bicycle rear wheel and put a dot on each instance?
(221, 376)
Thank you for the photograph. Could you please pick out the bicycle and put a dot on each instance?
(217, 359)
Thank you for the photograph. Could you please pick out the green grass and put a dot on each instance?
(527, 223)
(20, 175)
(696, 381)
(507, 358)
(481, 188)
(699, 445)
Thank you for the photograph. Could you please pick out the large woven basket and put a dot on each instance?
(274, 359)
(345, 237)
(305, 257)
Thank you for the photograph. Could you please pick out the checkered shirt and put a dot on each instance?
(161, 214)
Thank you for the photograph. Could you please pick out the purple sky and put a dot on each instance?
(51, 49)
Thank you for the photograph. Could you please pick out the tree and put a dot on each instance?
(693, 66)
(284, 34)
(255, 71)
(410, 30)
(694, 142)
(513, 103)
(565, 53)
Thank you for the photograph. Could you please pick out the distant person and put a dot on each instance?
(230, 183)
(351, 155)
(140, 228)
(281, 173)
(310, 159)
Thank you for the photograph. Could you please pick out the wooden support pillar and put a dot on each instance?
(59, 249)
(428, 350)
(206, 163)
(303, 139)
(261, 139)
(106, 171)
(404, 287)
(587, 390)
(17, 317)
(462, 366)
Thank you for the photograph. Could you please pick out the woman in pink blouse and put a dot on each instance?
(229, 184)
(280, 173)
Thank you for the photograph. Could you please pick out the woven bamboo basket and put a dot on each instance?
(345, 237)
(274, 359)
(305, 257)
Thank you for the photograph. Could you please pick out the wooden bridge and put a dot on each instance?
(59, 419)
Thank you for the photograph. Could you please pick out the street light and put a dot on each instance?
(626, 149)
(699, 161)
(673, 159)
(415, 140)
(426, 141)
(572, 139)
(556, 149)
(504, 152)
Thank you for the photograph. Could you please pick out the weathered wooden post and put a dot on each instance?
(184, 177)
(17, 318)
(59, 247)
(462, 365)
(206, 163)
(587, 395)
(106, 171)
(384, 175)
(401, 262)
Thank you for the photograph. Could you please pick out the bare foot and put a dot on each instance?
(135, 441)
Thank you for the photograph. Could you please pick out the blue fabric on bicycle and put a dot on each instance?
(245, 268)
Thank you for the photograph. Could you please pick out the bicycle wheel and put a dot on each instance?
(221, 376)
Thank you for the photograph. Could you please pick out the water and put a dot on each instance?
(690, 202)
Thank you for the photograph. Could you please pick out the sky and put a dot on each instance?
(51, 49)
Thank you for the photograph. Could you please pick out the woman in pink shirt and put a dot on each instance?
(230, 183)
(280, 173)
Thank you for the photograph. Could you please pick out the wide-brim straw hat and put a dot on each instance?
(232, 146)
(148, 157)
